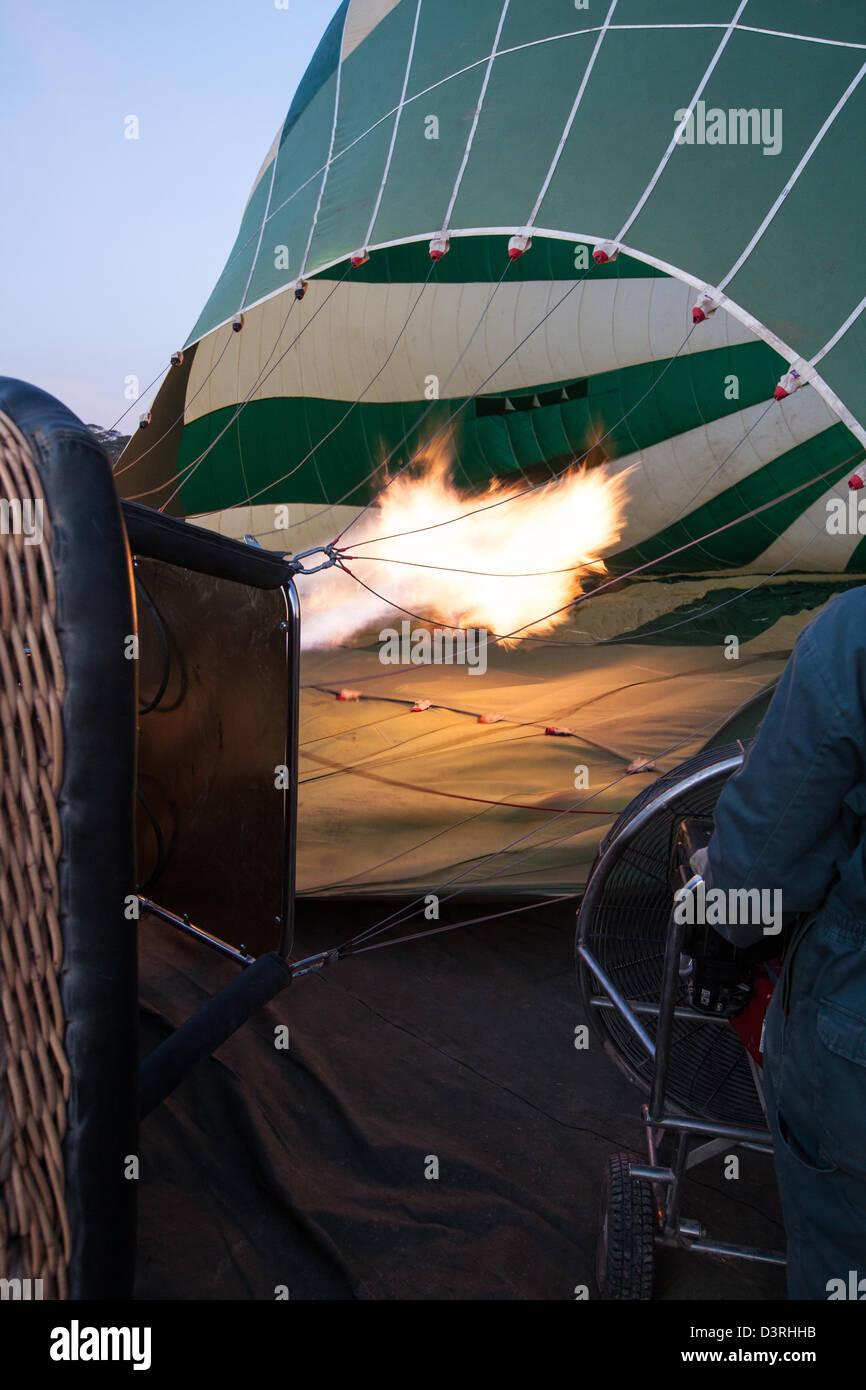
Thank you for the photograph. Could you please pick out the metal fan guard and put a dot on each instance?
(623, 921)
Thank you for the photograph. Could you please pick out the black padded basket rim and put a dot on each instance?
(95, 616)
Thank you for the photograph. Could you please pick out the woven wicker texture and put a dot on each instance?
(34, 1073)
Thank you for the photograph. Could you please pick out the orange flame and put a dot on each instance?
(501, 568)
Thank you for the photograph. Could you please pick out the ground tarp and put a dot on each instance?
(304, 1170)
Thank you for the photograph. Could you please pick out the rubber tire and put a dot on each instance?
(626, 1247)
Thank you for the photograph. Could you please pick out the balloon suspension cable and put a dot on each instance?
(412, 909)
(533, 487)
(251, 496)
(183, 475)
(567, 810)
(162, 371)
(514, 635)
(426, 445)
(360, 943)
(331, 558)
(423, 416)
(175, 422)
(395, 919)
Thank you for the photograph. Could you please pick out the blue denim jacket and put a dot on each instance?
(793, 817)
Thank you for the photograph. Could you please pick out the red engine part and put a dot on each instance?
(749, 1025)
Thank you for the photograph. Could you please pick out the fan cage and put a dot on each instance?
(623, 922)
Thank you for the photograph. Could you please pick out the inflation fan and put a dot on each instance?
(637, 981)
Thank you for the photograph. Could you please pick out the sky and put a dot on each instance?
(109, 247)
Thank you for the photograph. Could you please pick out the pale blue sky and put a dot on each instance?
(109, 247)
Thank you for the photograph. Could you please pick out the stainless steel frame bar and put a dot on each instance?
(598, 1001)
(619, 1000)
(184, 925)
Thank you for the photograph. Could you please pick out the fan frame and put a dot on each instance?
(695, 1140)
(608, 856)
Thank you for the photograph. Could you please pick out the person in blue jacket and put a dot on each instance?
(793, 819)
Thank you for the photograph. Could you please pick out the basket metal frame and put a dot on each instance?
(292, 627)
(262, 977)
(673, 1230)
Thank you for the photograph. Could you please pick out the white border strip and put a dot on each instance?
(849, 91)
(327, 170)
(682, 125)
(396, 124)
(570, 122)
(804, 38)
(532, 43)
(840, 332)
(261, 229)
(476, 118)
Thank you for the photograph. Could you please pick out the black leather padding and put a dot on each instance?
(211, 1026)
(178, 542)
(95, 617)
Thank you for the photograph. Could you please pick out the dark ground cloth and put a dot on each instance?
(306, 1168)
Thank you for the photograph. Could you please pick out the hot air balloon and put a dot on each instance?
(549, 318)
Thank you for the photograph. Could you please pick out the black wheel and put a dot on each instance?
(624, 1263)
